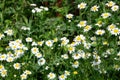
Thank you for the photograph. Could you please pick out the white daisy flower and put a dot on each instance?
(35, 50)
(49, 43)
(94, 8)
(62, 77)
(51, 76)
(82, 24)
(28, 39)
(100, 32)
(23, 76)
(105, 15)
(115, 31)
(110, 3)
(82, 5)
(65, 56)
(111, 27)
(3, 73)
(115, 8)
(75, 64)
(38, 55)
(17, 65)
(69, 16)
(76, 56)
(9, 32)
(87, 28)
(41, 61)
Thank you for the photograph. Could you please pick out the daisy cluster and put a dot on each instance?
(39, 9)
(62, 58)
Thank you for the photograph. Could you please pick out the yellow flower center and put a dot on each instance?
(105, 15)
(78, 38)
(51, 75)
(1, 67)
(99, 32)
(112, 27)
(4, 72)
(87, 27)
(75, 72)
(82, 23)
(94, 8)
(116, 30)
(62, 76)
(70, 48)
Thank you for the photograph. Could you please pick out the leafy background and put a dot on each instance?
(44, 26)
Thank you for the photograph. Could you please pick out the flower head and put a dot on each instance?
(94, 8)
(110, 3)
(9, 32)
(69, 16)
(105, 15)
(115, 8)
(49, 43)
(82, 24)
(51, 75)
(82, 5)
(17, 65)
(41, 61)
(100, 32)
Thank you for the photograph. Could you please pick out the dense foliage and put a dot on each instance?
(59, 40)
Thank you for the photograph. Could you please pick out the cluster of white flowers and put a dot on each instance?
(64, 76)
(81, 47)
(65, 41)
(18, 49)
(78, 55)
(79, 39)
(83, 24)
(113, 29)
(113, 6)
(36, 52)
(42, 8)
(107, 53)
(97, 60)
(3, 71)
(25, 74)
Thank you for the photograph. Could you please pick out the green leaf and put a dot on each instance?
(1, 49)
(94, 44)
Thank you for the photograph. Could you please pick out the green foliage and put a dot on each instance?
(54, 36)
